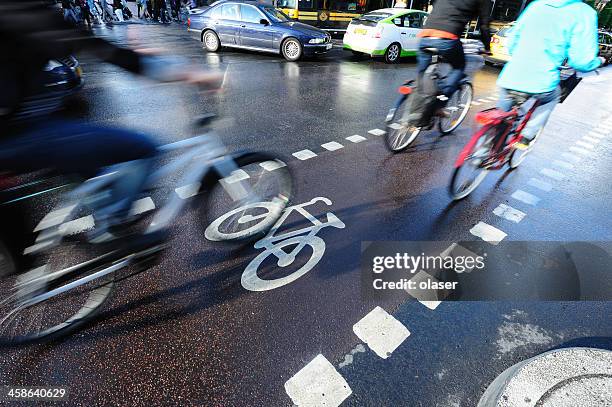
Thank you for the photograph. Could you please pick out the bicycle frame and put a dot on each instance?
(270, 239)
(492, 118)
(207, 149)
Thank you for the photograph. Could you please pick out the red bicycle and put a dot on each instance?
(493, 145)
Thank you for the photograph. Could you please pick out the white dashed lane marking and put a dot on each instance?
(381, 332)
(582, 144)
(332, 146)
(488, 233)
(482, 100)
(509, 213)
(318, 384)
(187, 191)
(525, 197)
(304, 155)
(539, 184)
(579, 150)
(236, 176)
(356, 138)
(591, 140)
(563, 164)
(142, 205)
(476, 104)
(571, 157)
(77, 226)
(377, 132)
(550, 173)
(272, 165)
(429, 298)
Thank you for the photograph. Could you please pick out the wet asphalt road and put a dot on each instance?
(187, 333)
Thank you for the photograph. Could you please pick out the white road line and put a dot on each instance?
(377, 132)
(396, 126)
(539, 184)
(581, 143)
(141, 206)
(482, 100)
(476, 104)
(318, 384)
(332, 146)
(563, 164)
(77, 226)
(509, 213)
(54, 218)
(455, 250)
(272, 165)
(237, 176)
(381, 332)
(429, 298)
(488, 233)
(356, 138)
(597, 133)
(580, 150)
(492, 99)
(187, 191)
(550, 173)
(525, 197)
(304, 155)
(571, 157)
(591, 140)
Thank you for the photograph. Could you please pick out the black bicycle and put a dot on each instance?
(400, 133)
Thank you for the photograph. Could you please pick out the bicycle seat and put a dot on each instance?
(431, 50)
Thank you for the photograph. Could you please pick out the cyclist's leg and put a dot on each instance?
(423, 58)
(504, 102)
(83, 149)
(452, 51)
(540, 116)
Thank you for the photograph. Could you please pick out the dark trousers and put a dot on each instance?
(452, 52)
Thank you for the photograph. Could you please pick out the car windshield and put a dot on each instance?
(375, 16)
(276, 15)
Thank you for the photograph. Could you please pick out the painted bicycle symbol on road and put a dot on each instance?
(274, 245)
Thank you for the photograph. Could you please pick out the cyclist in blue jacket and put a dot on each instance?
(546, 34)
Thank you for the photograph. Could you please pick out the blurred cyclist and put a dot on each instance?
(546, 34)
(30, 36)
(442, 30)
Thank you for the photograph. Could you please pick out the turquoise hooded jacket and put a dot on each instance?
(546, 33)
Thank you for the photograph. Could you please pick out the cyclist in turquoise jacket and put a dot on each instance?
(546, 34)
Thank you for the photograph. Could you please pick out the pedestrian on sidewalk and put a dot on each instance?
(85, 12)
(142, 5)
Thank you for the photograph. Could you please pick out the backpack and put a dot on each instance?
(423, 100)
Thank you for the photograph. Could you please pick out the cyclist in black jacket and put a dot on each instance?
(443, 29)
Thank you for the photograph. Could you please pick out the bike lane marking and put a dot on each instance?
(332, 146)
(580, 150)
(539, 184)
(550, 173)
(563, 164)
(381, 332)
(272, 165)
(525, 197)
(318, 384)
(581, 143)
(356, 138)
(377, 132)
(488, 233)
(303, 155)
(476, 104)
(571, 157)
(592, 140)
(509, 213)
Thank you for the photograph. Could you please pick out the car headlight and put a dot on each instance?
(316, 41)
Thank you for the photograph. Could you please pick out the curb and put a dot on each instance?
(577, 377)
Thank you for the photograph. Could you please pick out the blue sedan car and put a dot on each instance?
(259, 27)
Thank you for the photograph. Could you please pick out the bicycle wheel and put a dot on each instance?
(48, 302)
(399, 133)
(246, 204)
(471, 172)
(517, 156)
(456, 109)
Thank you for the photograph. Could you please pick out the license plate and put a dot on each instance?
(361, 31)
(329, 46)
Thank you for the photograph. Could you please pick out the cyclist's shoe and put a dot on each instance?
(523, 144)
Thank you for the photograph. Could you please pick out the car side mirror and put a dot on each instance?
(263, 21)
